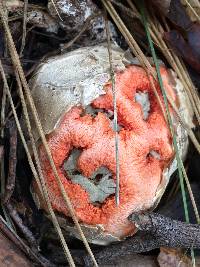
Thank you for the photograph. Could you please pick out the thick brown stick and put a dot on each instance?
(169, 232)
(155, 231)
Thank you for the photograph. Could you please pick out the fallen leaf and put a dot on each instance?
(178, 15)
(173, 258)
(193, 37)
(188, 50)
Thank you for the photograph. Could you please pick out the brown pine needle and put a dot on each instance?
(17, 64)
(54, 219)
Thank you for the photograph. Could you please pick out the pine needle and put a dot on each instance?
(54, 219)
(167, 112)
(55, 7)
(192, 9)
(17, 64)
(112, 75)
(181, 169)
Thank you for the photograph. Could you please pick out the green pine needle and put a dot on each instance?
(179, 161)
(178, 158)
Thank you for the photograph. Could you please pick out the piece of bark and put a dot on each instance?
(155, 231)
(10, 255)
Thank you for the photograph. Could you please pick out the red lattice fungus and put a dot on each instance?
(140, 170)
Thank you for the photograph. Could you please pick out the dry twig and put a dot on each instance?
(18, 221)
(155, 231)
(112, 76)
(10, 185)
(24, 27)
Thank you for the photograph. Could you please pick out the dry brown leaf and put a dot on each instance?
(187, 49)
(169, 257)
